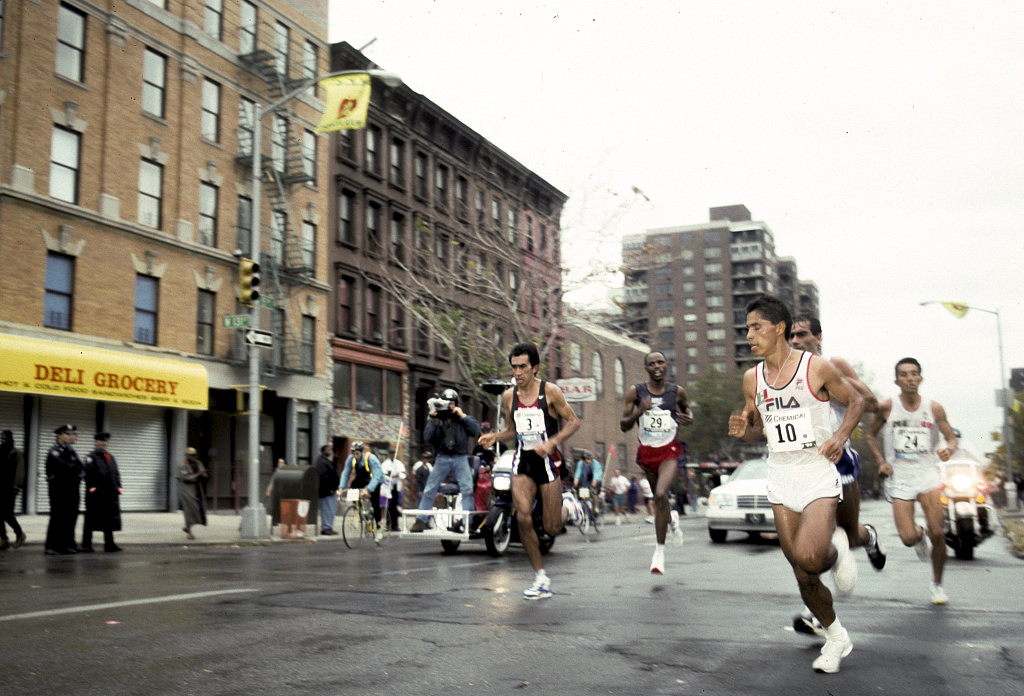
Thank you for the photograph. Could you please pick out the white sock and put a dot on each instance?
(541, 575)
(835, 631)
(659, 547)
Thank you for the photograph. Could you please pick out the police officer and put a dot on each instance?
(64, 473)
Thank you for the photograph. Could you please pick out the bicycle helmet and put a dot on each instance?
(357, 445)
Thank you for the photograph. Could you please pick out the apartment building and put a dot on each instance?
(126, 152)
(443, 252)
(686, 288)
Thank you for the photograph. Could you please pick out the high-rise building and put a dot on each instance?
(686, 288)
(126, 150)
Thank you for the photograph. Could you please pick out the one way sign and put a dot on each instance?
(263, 339)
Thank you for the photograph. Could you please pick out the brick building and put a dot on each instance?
(126, 134)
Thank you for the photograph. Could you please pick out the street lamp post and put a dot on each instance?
(254, 515)
(1007, 433)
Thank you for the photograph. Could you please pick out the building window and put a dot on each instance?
(213, 19)
(247, 28)
(346, 145)
(246, 125)
(60, 275)
(369, 389)
(690, 336)
(208, 195)
(421, 175)
(278, 231)
(396, 333)
(461, 197)
(441, 182)
(597, 368)
(308, 245)
(712, 252)
(716, 334)
(422, 337)
(346, 292)
(714, 301)
(277, 328)
(496, 216)
(712, 268)
(281, 42)
(373, 150)
(279, 144)
(376, 390)
(398, 238)
(716, 317)
(309, 60)
(151, 191)
(346, 224)
(243, 226)
(342, 385)
(373, 238)
(205, 304)
(575, 356)
(397, 163)
(70, 43)
(309, 155)
(209, 122)
(511, 226)
(146, 291)
(65, 153)
(620, 377)
(154, 83)
(513, 280)
(308, 342)
(372, 327)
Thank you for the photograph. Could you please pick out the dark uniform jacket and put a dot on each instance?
(102, 508)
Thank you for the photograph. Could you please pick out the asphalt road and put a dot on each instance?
(407, 619)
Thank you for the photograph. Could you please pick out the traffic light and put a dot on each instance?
(248, 282)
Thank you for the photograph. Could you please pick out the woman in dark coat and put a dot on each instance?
(102, 490)
(192, 475)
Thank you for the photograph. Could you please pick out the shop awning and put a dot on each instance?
(34, 366)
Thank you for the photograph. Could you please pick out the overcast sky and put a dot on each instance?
(880, 141)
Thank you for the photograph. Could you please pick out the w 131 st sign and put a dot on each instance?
(578, 388)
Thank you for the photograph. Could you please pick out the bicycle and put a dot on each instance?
(592, 516)
(357, 523)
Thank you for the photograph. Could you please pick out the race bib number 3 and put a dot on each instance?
(790, 431)
(911, 440)
(529, 427)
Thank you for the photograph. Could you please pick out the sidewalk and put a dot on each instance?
(165, 529)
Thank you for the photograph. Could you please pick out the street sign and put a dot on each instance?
(235, 321)
(263, 339)
(265, 301)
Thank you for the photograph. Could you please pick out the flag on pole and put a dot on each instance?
(347, 101)
(956, 309)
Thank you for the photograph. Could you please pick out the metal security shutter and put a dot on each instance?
(138, 439)
(12, 418)
(54, 412)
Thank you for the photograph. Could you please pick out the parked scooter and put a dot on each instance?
(969, 517)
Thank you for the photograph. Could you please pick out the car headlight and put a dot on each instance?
(721, 500)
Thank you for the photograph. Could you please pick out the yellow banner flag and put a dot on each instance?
(956, 309)
(348, 100)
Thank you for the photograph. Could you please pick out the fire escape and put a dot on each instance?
(289, 261)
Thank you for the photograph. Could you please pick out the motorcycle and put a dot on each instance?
(969, 518)
(501, 527)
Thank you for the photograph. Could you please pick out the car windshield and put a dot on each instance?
(750, 469)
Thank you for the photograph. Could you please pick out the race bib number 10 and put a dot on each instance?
(530, 427)
(790, 431)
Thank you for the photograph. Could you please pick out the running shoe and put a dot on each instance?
(540, 589)
(807, 624)
(832, 653)
(658, 562)
(939, 594)
(874, 548)
(923, 545)
(844, 571)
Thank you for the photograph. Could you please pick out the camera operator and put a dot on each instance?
(449, 431)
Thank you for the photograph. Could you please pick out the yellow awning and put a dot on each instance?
(63, 369)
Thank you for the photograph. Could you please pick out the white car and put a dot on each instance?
(741, 503)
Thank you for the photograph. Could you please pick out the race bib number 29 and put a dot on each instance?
(530, 427)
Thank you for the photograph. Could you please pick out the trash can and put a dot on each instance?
(293, 518)
(295, 483)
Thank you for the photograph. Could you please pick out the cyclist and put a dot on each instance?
(365, 471)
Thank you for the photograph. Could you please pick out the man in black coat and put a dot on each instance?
(64, 474)
(12, 478)
(102, 490)
(329, 482)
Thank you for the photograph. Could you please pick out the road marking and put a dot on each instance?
(425, 569)
(115, 605)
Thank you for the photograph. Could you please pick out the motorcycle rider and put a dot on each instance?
(449, 431)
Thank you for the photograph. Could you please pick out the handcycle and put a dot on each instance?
(357, 522)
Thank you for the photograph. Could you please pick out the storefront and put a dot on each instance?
(141, 400)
